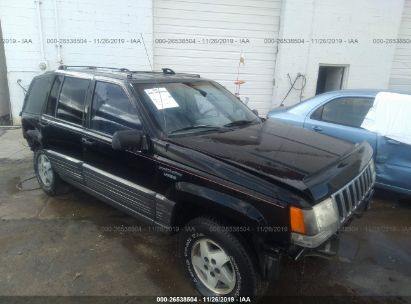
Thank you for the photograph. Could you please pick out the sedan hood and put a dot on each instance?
(276, 150)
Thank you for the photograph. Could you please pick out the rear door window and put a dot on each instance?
(112, 110)
(37, 94)
(349, 111)
(72, 99)
(52, 100)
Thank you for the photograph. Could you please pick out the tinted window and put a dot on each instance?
(37, 94)
(112, 110)
(72, 97)
(52, 101)
(348, 111)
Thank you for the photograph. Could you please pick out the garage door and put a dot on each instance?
(208, 36)
(401, 67)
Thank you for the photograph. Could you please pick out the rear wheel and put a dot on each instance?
(216, 261)
(47, 178)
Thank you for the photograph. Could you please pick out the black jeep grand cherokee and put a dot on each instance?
(183, 153)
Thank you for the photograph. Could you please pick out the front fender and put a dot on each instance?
(214, 201)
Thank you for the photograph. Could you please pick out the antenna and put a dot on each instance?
(145, 48)
(158, 87)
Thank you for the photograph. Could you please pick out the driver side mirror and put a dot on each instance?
(255, 112)
(128, 139)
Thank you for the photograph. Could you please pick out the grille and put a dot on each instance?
(351, 195)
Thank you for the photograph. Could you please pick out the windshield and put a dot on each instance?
(193, 106)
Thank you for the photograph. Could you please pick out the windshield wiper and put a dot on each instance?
(239, 123)
(195, 127)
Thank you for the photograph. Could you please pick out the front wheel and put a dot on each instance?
(217, 261)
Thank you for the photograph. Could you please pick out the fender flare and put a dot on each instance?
(34, 137)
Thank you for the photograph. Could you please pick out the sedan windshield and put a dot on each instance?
(189, 107)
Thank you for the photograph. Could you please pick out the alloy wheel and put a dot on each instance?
(213, 266)
(44, 170)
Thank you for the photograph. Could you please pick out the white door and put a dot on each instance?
(210, 36)
(401, 67)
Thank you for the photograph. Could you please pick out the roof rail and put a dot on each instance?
(168, 71)
(189, 74)
(90, 67)
(165, 71)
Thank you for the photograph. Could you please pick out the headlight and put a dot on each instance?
(312, 227)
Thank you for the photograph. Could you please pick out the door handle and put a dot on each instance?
(87, 142)
(317, 129)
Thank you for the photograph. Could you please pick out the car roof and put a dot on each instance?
(307, 105)
(360, 92)
(167, 75)
(317, 99)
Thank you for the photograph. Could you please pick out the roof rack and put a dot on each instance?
(91, 67)
(165, 71)
(169, 71)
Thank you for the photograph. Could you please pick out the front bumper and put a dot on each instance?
(315, 241)
(352, 199)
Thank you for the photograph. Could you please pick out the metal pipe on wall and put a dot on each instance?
(43, 63)
(58, 44)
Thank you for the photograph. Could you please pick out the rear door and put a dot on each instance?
(342, 118)
(62, 122)
(393, 164)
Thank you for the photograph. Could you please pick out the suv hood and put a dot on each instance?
(284, 153)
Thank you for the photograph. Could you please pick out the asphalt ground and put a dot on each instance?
(75, 245)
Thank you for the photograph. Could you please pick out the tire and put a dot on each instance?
(52, 184)
(204, 239)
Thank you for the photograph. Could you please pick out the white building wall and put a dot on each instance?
(401, 68)
(215, 59)
(250, 22)
(84, 19)
(369, 63)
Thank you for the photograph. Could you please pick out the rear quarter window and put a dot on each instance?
(37, 94)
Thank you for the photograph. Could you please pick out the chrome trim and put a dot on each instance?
(65, 165)
(350, 196)
(79, 129)
(120, 180)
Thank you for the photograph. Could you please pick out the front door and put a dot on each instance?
(126, 177)
(342, 118)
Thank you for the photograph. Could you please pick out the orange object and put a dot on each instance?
(239, 82)
(297, 220)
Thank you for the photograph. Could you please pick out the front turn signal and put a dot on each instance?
(297, 220)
